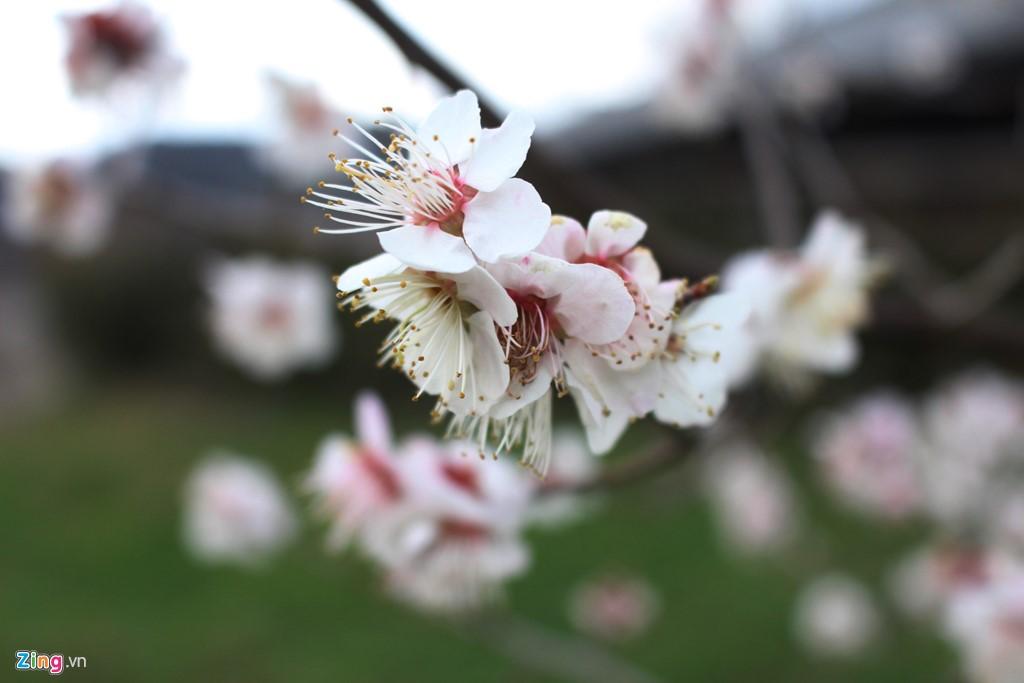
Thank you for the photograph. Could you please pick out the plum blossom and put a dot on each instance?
(669, 359)
(122, 45)
(455, 536)
(304, 123)
(751, 497)
(614, 607)
(235, 511)
(988, 625)
(271, 318)
(973, 429)
(558, 304)
(445, 339)
(926, 581)
(835, 617)
(868, 454)
(354, 480)
(60, 204)
(443, 194)
(805, 305)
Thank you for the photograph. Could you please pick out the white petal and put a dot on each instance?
(693, 392)
(613, 233)
(642, 267)
(521, 395)
(594, 305)
(382, 264)
(505, 223)
(499, 153)
(479, 288)
(372, 424)
(534, 274)
(427, 248)
(489, 375)
(565, 239)
(454, 121)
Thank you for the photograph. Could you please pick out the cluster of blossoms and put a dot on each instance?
(498, 306)
(445, 528)
(956, 461)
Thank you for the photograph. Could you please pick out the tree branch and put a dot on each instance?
(662, 457)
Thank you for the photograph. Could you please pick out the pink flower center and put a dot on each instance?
(530, 336)
(381, 474)
(457, 529)
(463, 477)
(117, 36)
(451, 216)
(274, 316)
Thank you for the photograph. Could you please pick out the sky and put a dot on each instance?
(557, 59)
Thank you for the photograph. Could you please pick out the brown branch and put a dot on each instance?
(665, 455)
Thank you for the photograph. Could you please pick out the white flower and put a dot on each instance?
(835, 617)
(988, 625)
(973, 428)
(806, 306)
(668, 360)
(454, 539)
(304, 124)
(353, 481)
(120, 45)
(614, 607)
(59, 204)
(271, 318)
(557, 303)
(751, 498)
(868, 455)
(924, 582)
(235, 511)
(445, 193)
(445, 340)
(684, 383)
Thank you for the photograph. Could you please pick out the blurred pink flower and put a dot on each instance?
(304, 125)
(271, 318)
(614, 607)
(235, 511)
(120, 45)
(59, 204)
(868, 454)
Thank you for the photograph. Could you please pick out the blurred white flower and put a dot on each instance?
(235, 511)
(835, 617)
(271, 318)
(751, 498)
(868, 455)
(304, 125)
(973, 431)
(59, 204)
(353, 481)
(120, 46)
(699, 90)
(988, 625)
(806, 306)
(444, 193)
(924, 582)
(454, 538)
(571, 463)
(614, 607)
(927, 55)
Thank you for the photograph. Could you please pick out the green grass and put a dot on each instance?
(93, 566)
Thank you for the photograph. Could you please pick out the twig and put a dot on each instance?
(665, 455)
(555, 654)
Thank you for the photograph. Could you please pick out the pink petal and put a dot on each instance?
(506, 223)
(427, 248)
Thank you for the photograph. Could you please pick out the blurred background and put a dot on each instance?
(140, 158)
